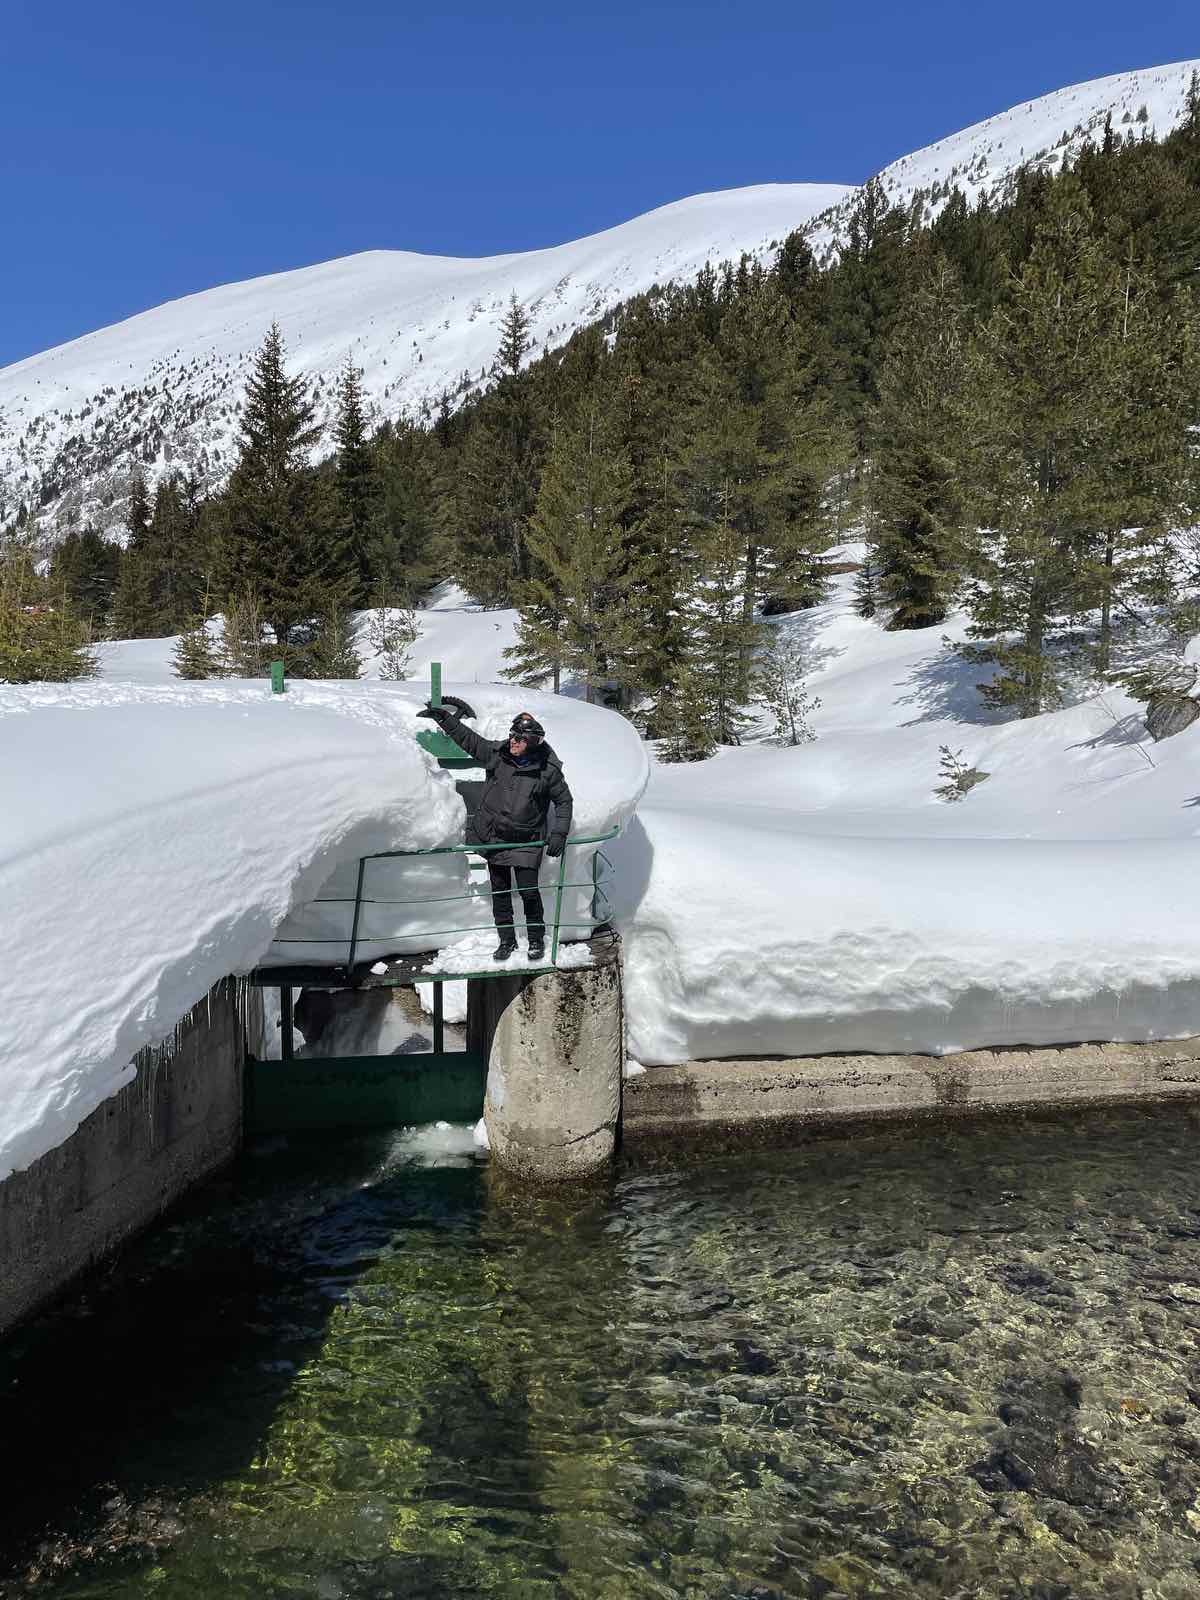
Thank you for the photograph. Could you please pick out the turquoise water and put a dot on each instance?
(952, 1364)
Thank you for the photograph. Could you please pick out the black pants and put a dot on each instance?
(531, 899)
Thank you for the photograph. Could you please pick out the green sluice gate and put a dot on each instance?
(364, 1091)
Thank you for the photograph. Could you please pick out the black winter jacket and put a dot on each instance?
(516, 800)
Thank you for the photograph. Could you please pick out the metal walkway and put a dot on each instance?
(318, 1092)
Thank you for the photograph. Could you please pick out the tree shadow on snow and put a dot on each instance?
(946, 689)
(1125, 731)
(805, 628)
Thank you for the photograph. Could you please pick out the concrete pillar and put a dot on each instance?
(555, 1052)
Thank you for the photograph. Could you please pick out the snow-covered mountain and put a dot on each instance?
(161, 390)
(1044, 132)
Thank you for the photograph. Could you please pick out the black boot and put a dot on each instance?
(537, 947)
(506, 946)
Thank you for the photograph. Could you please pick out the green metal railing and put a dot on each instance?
(600, 906)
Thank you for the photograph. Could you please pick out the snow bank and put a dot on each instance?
(153, 839)
(468, 641)
(772, 901)
(787, 901)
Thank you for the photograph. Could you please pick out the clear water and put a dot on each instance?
(953, 1364)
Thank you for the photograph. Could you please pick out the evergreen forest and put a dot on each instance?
(996, 411)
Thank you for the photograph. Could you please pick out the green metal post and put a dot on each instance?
(439, 1026)
(562, 872)
(287, 1036)
(277, 684)
(435, 683)
(362, 867)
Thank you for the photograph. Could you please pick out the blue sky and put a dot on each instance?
(150, 150)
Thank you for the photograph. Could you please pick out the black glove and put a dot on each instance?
(555, 844)
(436, 712)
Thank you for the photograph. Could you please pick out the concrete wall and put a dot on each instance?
(179, 1121)
(766, 1100)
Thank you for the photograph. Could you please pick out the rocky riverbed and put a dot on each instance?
(963, 1363)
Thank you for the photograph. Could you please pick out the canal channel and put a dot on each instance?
(942, 1363)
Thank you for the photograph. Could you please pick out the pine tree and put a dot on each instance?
(1147, 461)
(173, 554)
(760, 430)
(495, 477)
(514, 340)
(84, 567)
(858, 303)
(866, 587)
(196, 654)
(721, 640)
(781, 686)
(245, 652)
(645, 428)
(137, 516)
(914, 488)
(391, 633)
(42, 640)
(134, 611)
(275, 540)
(1051, 404)
(796, 273)
(333, 651)
(443, 426)
(406, 546)
(970, 238)
(683, 720)
(354, 486)
(572, 609)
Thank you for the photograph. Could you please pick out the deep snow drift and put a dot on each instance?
(153, 839)
(822, 898)
(785, 901)
(772, 900)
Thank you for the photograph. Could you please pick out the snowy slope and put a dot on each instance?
(160, 389)
(785, 901)
(1043, 132)
(468, 642)
(154, 839)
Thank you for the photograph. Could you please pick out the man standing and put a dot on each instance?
(523, 779)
